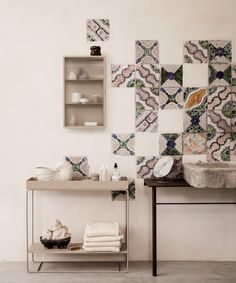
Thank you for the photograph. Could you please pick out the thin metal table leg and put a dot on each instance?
(127, 230)
(27, 230)
(154, 233)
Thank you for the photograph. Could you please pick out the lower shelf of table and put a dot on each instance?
(38, 248)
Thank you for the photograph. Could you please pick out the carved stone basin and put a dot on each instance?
(210, 175)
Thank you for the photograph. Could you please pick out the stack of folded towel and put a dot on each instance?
(102, 237)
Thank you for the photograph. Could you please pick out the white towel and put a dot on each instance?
(103, 239)
(102, 244)
(94, 229)
(102, 249)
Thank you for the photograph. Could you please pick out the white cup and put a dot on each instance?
(75, 97)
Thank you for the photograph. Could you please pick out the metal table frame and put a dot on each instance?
(154, 184)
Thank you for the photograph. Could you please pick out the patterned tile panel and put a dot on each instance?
(233, 144)
(147, 75)
(98, 29)
(172, 75)
(195, 98)
(171, 98)
(170, 144)
(146, 121)
(194, 143)
(220, 51)
(123, 144)
(121, 195)
(80, 166)
(147, 51)
(147, 98)
(195, 121)
(218, 97)
(145, 166)
(220, 75)
(218, 122)
(218, 147)
(196, 51)
(123, 75)
(233, 66)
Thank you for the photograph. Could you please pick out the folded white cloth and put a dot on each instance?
(103, 239)
(102, 249)
(95, 229)
(102, 244)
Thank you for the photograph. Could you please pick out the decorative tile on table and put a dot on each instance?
(171, 98)
(233, 66)
(147, 51)
(123, 75)
(147, 75)
(218, 97)
(219, 75)
(194, 143)
(123, 144)
(98, 29)
(121, 195)
(195, 98)
(233, 144)
(195, 121)
(196, 51)
(146, 121)
(218, 121)
(170, 144)
(218, 147)
(171, 75)
(145, 166)
(220, 51)
(147, 98)
(80, 166)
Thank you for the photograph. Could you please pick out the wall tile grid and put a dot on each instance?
(209, 112)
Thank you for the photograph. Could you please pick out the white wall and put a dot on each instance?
(34, 37)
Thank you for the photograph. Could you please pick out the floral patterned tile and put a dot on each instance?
(233, 66)
(98, 29)
(194, 143)
(220, 51)
(146, 121)
(147, 98)
(172, 75)
(195, 98)
(195, 121)
(147, 75)
(121, 195)
(218, 121)
(218, 97)
(232, 113)
(220, 75)
(123, 144)
(196, 51)
(218, 147)
(233, 144)
(171, 98)
(80, 166)
(147, 51)
(145, 166)
(123, 75)
(170, 144)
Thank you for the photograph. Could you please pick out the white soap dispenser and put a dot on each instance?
(115, 173)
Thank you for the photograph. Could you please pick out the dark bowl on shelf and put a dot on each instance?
(60, 244)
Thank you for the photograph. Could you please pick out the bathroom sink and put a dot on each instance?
(210, 175)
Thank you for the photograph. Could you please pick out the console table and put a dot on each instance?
(154, 184)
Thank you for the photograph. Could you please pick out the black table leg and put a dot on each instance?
(154, 233)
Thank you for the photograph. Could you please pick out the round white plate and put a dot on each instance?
(163, 166)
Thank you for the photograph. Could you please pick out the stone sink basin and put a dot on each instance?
(210, 175)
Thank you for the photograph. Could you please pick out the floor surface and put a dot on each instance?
(139, 272)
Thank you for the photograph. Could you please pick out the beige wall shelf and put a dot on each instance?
(91, 88)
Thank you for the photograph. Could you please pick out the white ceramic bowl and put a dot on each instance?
(63, 172)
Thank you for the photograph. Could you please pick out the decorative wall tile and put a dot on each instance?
(171, 98)
(145, 166)
(233, 66)
(218, 147)
(196, 51)
(121, 195)
(195, 121)
(123, 144)
(195, 98)
(123, 75)
(220, 51)
(194, 143)
(147, 98)
(231, 111)
(146, 121)
(233, 144)
(98, 29)
(171, 75)
(195, 75)
(218, 121)
(79, 165)
(147, 75)
(218, 97)
(170, 144)
(147, 51)
(219, 75)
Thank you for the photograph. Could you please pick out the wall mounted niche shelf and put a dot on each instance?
(84, 78)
